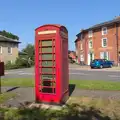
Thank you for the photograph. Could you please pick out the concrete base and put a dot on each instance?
(46, 106)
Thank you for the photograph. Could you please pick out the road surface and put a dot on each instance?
(74, 74)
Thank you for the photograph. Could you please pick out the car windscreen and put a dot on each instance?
(96, 60)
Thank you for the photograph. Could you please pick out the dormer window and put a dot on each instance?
(90, 33)
(104, 30)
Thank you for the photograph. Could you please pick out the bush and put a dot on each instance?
(22, 62)
(19, 63)
(10, 65)
(70, 112)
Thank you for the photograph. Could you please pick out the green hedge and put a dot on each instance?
(19, 63)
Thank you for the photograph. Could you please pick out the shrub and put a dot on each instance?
(19, 63)
(22, 62)
(71, 112)
(10, 65)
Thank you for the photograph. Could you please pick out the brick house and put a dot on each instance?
(8, 49)
(99, 41)
(72, 55)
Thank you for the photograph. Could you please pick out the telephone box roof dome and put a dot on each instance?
(56, 25)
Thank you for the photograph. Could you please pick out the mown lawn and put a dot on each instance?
(21, 82)
(96, 84)
(80, 84)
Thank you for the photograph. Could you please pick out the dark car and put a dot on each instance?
(101, 63)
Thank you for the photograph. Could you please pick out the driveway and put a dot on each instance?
(75, 73)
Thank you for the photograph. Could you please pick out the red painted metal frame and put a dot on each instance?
(61, 76)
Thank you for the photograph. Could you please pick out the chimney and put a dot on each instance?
(81, 30)
(117, 17)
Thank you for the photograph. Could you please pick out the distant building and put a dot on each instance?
(8, 49)
(72, 55)
(99, 41)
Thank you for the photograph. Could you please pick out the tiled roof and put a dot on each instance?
(115, 20)
(5, 39)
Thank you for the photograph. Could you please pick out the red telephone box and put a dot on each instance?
(51, 64)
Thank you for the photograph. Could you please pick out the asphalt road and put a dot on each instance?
(74, 74)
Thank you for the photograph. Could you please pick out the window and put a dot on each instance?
(0, 49)
(104, 30)
(104, 55)
(81, 47)
(90, 44)
(81, 58)
(9, 50)
(90, 34)
(104, 42)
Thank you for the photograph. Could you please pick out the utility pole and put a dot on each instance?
(117, 45)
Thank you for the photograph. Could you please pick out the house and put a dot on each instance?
(8, 49)
(72, 55)
(99, 41)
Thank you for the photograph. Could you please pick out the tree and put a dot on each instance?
(30, 51)
(9, 35)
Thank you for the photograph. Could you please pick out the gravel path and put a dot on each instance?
(27, 94)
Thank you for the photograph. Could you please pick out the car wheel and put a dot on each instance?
(92, 67)
(111, 66)
(101, 66)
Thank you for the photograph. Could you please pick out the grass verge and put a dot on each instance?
(80, 84)
(6, 96)
(21, 82)
(96, 84)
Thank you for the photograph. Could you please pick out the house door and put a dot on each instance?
(90, 57)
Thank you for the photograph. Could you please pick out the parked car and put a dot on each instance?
(101, 63)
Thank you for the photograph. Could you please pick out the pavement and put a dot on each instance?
(28, 95)
(76, 72)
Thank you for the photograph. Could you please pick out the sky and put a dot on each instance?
(21, 17)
